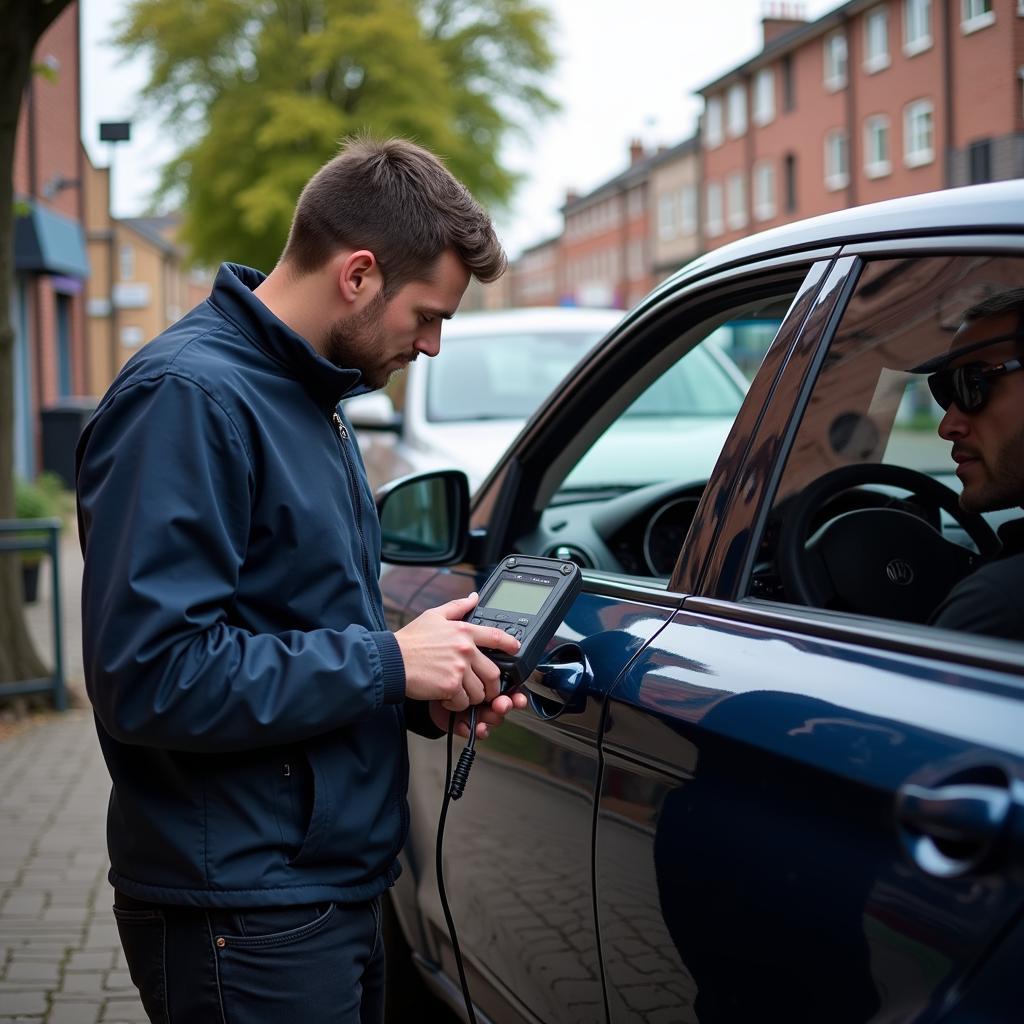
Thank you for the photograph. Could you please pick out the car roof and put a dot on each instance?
(996, 207)
(540, 318)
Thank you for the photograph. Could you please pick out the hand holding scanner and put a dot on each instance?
(527, 597)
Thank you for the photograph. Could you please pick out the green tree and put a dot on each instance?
(261, 92)
(23, 21)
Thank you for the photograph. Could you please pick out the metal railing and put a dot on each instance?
(16, 535)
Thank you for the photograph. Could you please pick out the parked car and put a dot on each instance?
(464, 407)
(752, 784)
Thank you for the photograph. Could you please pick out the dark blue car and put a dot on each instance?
(755, 783)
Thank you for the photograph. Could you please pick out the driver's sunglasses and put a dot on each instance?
(968, 387)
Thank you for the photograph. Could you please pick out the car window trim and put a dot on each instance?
(930, 642)
(938, 245)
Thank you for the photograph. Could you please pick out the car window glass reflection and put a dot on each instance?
(898, 491)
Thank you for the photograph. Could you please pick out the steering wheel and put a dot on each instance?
(877, 561)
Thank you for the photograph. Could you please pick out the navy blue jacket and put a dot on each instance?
(247, 693)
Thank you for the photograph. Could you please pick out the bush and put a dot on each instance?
(42, 499)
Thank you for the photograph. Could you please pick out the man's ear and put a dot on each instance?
(359, 277)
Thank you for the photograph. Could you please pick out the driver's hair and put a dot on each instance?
(1011, 301)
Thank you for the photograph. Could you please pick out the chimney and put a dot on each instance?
(571, 195)
(779, 17)
(636, 151)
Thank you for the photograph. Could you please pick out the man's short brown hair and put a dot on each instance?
(400, 202)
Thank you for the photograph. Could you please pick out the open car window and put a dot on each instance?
(626, 487)
(867, 517)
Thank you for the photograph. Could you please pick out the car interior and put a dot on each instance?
(866, 469)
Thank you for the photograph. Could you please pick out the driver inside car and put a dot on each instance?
(977, 384)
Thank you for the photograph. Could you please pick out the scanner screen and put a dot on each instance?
(513, 596)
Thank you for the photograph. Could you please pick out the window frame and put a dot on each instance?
(736, 215)
(736, 111)
(875, 62)
(714, 213)
(714, 133)
(837, 178)
(833, 78)
(877, 168)
(924, 155)
(764, 203)
(913, 45)
(764, 96)
(974, 20)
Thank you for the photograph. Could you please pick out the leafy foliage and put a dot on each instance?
(261, 93)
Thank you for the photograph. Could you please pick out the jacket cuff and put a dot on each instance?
(392, 667)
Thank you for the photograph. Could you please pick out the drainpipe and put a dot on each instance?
(947, 71)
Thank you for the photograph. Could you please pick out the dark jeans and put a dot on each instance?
(309, 964)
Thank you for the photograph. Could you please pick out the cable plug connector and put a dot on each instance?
(461, 774)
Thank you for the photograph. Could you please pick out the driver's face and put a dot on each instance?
(988, 445)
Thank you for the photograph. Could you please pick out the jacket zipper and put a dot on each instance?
(356, 505)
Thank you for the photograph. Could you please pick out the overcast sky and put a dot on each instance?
(628, 69)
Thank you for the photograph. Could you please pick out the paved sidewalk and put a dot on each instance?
(60, 960)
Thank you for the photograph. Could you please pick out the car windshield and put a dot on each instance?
(501, 376)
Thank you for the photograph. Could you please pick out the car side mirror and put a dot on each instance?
(374, 411)
(424, 518)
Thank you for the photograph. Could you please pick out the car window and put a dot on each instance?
(622, 493)
(868, 515)
(675, 429)
(505, 376)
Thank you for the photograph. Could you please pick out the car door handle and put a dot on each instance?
(560, 684)
(959, 813)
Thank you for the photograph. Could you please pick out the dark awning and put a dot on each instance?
(46, 242)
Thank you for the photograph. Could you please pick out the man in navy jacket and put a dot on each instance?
(249, 698)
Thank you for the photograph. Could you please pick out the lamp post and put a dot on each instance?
(113, 132)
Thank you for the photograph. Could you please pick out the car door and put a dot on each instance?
(519, 845)
(812, 813)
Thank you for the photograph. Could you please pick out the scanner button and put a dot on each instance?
(523, 620)
(476, 619)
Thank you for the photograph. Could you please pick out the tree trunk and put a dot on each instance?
(24, 22)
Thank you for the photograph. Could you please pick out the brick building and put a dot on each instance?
(50, 262)
(606, 244)
(536, 277)
(871, 101)
(140, 282)
(675, 204)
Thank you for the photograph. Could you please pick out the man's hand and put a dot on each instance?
(485, 717)
(443, 661)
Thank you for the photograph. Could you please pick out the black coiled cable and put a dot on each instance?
(455, 781)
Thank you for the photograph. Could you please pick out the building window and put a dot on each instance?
(667, 217)
(688, 210)
(979, 162)
(788, 89)
(790, 171)
(714, 218)
(635, 260)
(737, 110)
(918, 133)
(917, 26)
(764, 96)
(876, 146)
(835, 61)
(976, 14)
(876, 40)
(635, 203)
(126, 263)
(713, 122)
(736, 200)
(837, 160)
(764, 190)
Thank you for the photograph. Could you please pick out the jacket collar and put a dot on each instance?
(233, 297)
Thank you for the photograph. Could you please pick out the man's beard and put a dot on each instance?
(1003, 485)
(356, 342)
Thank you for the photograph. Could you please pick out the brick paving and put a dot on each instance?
(60, 959)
